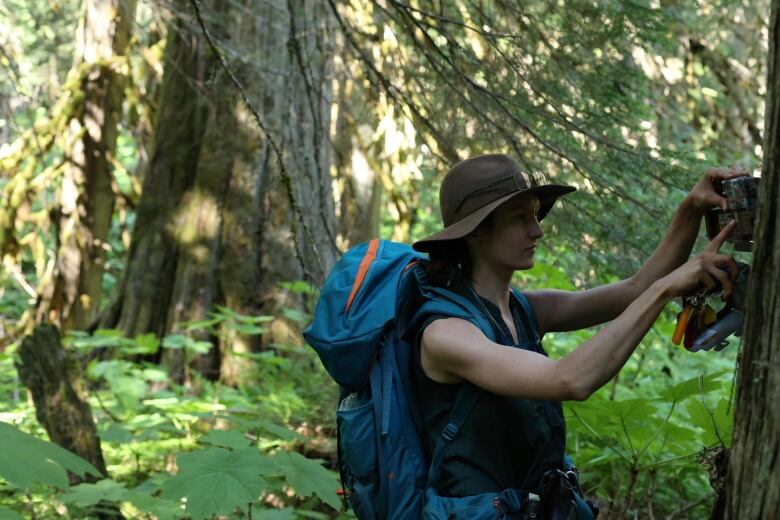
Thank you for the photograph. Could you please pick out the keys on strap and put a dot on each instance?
(695, 316)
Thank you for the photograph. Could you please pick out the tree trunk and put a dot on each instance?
(145, 293)
(299, 236)
(281, 213)
(48, 372)
(72, 296)
(222, 195)
(753, 489)
(51, 375)
(222, 219)
(298, 229)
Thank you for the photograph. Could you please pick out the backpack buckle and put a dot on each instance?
(450, 431)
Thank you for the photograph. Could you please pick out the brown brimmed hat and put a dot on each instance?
(473, 188)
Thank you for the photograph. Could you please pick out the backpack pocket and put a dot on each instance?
(357, 439)
(357, 431)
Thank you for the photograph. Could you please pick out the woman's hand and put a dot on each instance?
(703, 196)
(707, 270)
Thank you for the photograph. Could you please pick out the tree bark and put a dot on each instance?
(229, 209)
(299, 236)
(145, 293)
(52, 376)
(753, 489)
(298, 229)
(48, 372)
(71, 297)
(278, 212)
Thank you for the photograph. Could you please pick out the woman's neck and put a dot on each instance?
(492, 284)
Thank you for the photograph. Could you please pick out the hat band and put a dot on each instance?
(518, 181)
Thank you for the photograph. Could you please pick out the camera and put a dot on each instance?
(742, 196)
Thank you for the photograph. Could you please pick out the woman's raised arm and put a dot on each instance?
(559, 310)
(454, 349)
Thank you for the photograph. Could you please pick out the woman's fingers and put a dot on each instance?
(716, 243)
(726, 173)
(722, 277)
(720, 174)
(707, 281)
(728, 263)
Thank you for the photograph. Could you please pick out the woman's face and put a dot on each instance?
(511, 242)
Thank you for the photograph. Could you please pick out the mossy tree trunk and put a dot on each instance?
(272, 216)
(71, 294)
(223, 218)
(753, 489)
(49, 373)
(142, 304)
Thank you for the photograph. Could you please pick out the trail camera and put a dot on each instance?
(742, 196)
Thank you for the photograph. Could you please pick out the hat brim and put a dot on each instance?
(548, 194)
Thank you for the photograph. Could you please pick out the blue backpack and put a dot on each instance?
(375, 293)
(357, 331)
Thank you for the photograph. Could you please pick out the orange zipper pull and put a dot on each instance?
(682, 323)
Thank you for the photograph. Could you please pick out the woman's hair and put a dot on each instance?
(451, 262)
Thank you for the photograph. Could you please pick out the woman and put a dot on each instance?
(491, 212)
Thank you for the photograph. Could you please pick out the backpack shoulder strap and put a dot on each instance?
(528, 316)
(449, 303)
(465, 402)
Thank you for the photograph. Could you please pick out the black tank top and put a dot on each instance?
(506, 442)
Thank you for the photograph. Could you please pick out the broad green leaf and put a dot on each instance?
(227, 439)
(287, 513)
(109, 369)
(633, 409)
(315, 515)
(115, 432)
(715, 422)
(201, 324)
(176, 341)
(161, 509)
(9, 514)
(281, 432)
(129, 390)
(217, 481)
(724, 419)
(200, 347)
(254, 319)
(245, 328)
(308, 476)
(226, 312)
(25, 459)
(694, 386)
(299, 287)
(96, 341)
(155, 374)
(144, 344)
(295, 315)
(88, 494)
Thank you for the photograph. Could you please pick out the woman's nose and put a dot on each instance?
(536, 231)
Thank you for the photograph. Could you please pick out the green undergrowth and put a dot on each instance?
(194, 450)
